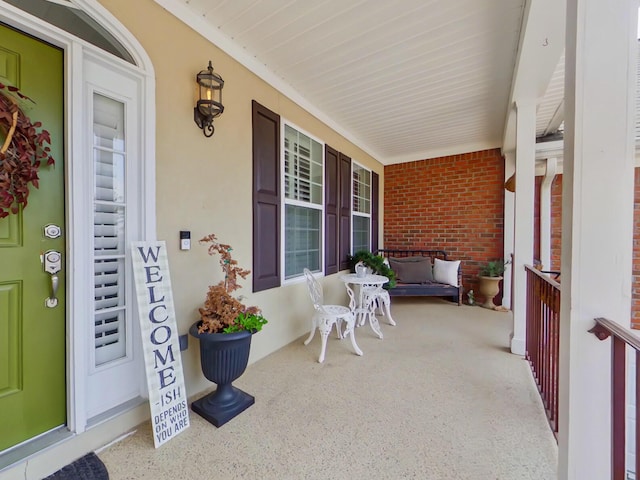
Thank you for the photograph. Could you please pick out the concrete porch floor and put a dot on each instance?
(440, 397)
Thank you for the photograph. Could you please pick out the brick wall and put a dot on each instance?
(556, 223)
(453, 203)
(536, 219)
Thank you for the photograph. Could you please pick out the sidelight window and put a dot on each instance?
(109, 156)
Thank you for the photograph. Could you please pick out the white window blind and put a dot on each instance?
(361, 189)
(302, 167)
(109, 229)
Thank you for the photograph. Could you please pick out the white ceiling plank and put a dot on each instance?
(393, 77)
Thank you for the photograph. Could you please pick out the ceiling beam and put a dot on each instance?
(542, 40)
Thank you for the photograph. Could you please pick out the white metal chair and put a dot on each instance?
(326, 316)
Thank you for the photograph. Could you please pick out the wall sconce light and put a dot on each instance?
(209, 104)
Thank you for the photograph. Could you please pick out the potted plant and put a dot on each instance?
(490, 276)
(224, 330)
(376, 263)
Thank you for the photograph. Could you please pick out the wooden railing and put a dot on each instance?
(543, 338)
(621, 337)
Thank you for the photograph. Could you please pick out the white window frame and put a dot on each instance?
(286, 201)
(354, 166)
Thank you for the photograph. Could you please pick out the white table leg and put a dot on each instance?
(375, 325)
(387, 309)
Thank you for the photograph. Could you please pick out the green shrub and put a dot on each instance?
(494, 268)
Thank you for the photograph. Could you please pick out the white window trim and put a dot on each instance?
(353, 211)
(284, 202)
(140, 219)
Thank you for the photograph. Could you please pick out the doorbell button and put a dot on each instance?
(185, 240)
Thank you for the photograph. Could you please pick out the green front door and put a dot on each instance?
(32, 324)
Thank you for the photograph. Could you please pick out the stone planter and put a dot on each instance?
(489, 287)
(223, 358)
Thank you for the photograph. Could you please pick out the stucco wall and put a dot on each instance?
(204, 184)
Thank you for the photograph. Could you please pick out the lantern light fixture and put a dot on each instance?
(209, 104)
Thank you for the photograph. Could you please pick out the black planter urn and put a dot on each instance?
(223, 357)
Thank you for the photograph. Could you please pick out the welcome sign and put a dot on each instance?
(163, 363)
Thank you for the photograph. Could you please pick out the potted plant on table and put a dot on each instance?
(376, 263)
(224, 330)
(490, 276)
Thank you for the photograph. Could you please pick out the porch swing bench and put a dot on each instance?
(414, 271)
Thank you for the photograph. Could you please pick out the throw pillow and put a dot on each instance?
(413, 258)
(414, 271)
(446, 271)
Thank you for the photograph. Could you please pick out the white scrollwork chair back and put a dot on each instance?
(326, 316)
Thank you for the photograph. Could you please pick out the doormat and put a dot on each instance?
(89, 467)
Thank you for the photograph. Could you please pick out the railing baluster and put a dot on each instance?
(542, 352)
(546, 373)
(621, 337)
(618, 405)
(543, 331)
(637, 405)
(556, 358)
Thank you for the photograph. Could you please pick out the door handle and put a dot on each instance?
(52, 265)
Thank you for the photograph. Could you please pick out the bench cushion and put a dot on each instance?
(412, 269)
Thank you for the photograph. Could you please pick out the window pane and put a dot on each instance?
(303, 177)
(361, 221)
(304, 183)
(76, 22)
(361, 189)
(302, 239)
(109, 176)
(109, 318)
(361, 229)
(108, 230)
(109, 159)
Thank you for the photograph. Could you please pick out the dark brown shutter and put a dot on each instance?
(266, 198)
(345, 211)
(375, 197)
(331, 201)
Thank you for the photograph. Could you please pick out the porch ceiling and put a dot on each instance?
(403, 80)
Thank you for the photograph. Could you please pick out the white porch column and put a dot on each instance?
(597, 222)
(509, 204)
(545, 212)
(523, 214)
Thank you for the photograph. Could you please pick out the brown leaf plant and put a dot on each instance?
(222, 312)
(24, 148)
